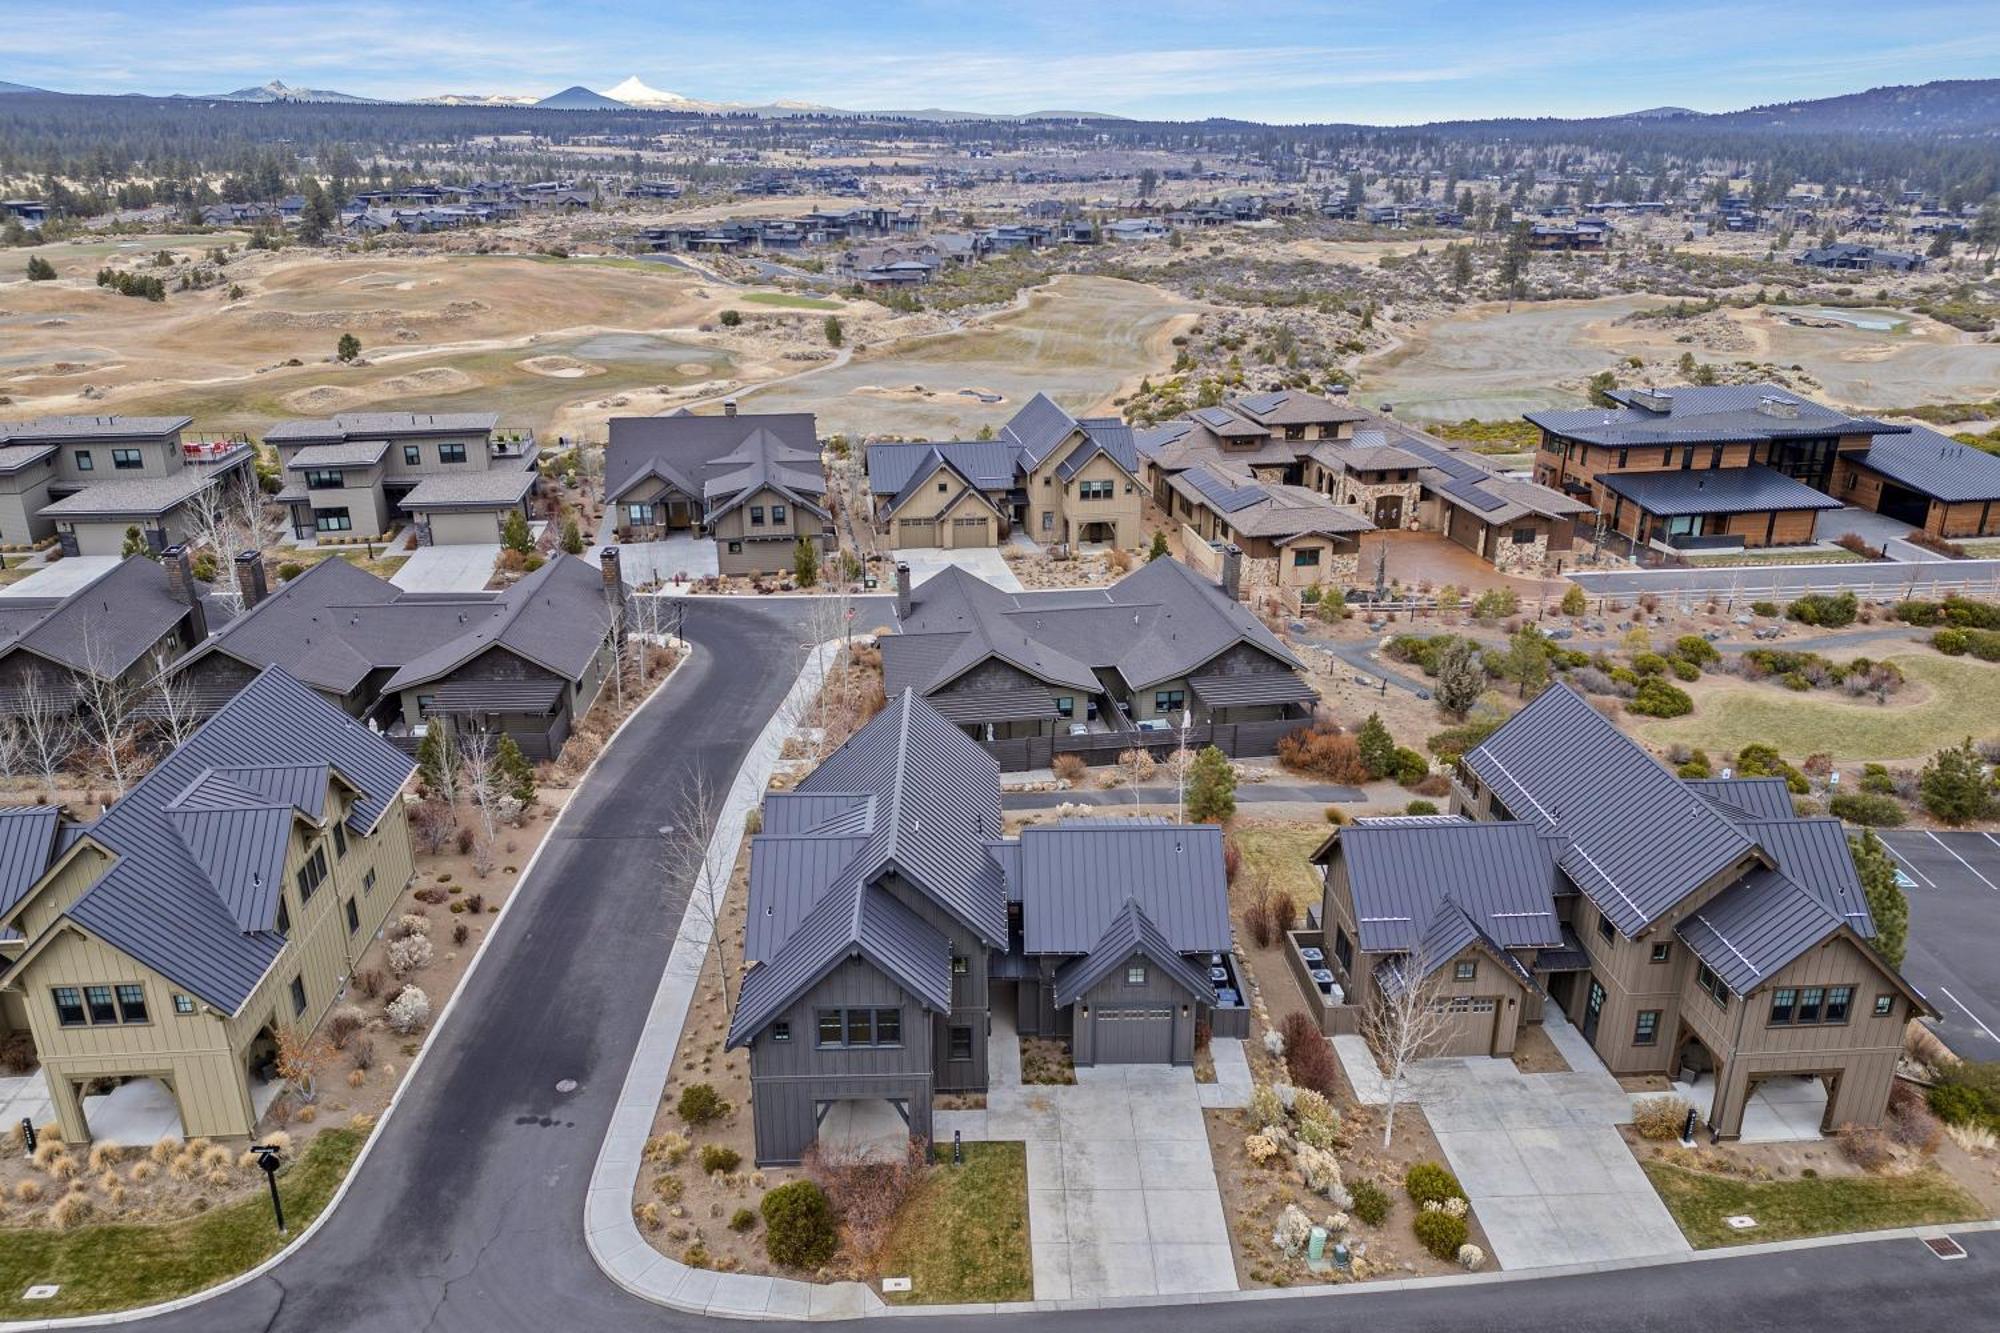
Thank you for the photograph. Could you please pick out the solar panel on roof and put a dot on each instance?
(1469, 492)
(1215, 416)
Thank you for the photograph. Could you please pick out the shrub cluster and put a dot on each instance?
(1861, 807)
(700, 1104)
(1961, 612)
(1825, 610)
(1309, 1055)
(1371, 1202)
(1659, 1117)
(1968, 1093)
(1425, 1182)
(1983, 644)
(1324, 752)
(1441, 1233)
(800, 1230)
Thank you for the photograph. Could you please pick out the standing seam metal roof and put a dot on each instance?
(1076, 876)
(1129, 932)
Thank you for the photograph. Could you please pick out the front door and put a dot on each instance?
(1388, 511)
(1593, 1009)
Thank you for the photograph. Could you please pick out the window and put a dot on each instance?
(1624, 456)
(1885, 1006)
(777, 513)
(451, 453)
(368, 880)
(1094, 490)
(756, 516)
(781, 1030)
(1135, 975)
(1165, 701)
(1662, 952)
(1066, 705)
(284, 926)
(69, 1006)
(1839, 1000)
(1306, 557)
(353, 917)
(298, 996)
(1605, 928)
(959, 1046)
(736, 548)
(103, 1009)
(1464, 970)
(640, 516)
(84, 462)
(323, 479)
(1811, 1001)
(332, 520)
(1705, 978)
(1646, 1031)
(1784, 1003)
(1048, 520)
(854, 1028)
(960, 966)
(1524, 536)
(312, 874)
(132, 1004)
(183, 1004)
(126, 459)
(339, 838)
(1343, 949)
(413, 455)
(943, 487)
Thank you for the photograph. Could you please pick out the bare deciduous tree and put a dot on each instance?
(230, 518)
(1409, 1020)
(110, 702)
(173, 700)
(47, 723)
(485, 785)
(690, 856)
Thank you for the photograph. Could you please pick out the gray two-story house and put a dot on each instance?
(453, 475)
(91, 481)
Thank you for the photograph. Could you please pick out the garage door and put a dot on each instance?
(1904, 505)
(1469, 1025)
(916, 532)
(1136, 1034)
(969, 532)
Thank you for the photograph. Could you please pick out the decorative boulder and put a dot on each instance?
(1274, 1045)
(1470, 1257)
(1294, 1229)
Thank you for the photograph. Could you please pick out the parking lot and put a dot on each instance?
(1954, 892)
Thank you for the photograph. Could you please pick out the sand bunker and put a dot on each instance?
(911, 394)
(559, 367)
(320, 399)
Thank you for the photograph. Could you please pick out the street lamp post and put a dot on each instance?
(1180, 769)
(267, 1158)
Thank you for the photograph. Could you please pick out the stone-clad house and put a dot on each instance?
(751, 482)
(225, 896)
(1055, 478)
(889, 918)
(1095, 671)
(1696, 929)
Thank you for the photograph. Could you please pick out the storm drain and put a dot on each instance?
(1944, 1247)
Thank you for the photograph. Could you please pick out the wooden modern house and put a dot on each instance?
(225, 897)
(1696, 929)
(890, 919)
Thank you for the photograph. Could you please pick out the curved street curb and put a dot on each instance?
(395, 1098)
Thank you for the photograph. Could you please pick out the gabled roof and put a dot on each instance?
(930, 465)
(1078, 875)
(1502, 875)
(1739, 799)
(762, 462)
(1633, 838)
(986, 464)
(1129, 932)
(1107, 436)
(184, 914)
(858, 920)
(1037, 429)
(115, 619)
(1450, 931)
(27, 845)
(685, 450)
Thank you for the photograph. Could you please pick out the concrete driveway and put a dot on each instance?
(679, 556)
(985, 561)
(448, 568)
(1539, 1155)
(63, 577)
(1122, 1197)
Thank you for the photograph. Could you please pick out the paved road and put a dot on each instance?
(1954, 919)
(468, 1215)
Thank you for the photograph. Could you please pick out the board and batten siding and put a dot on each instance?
(790, 1079)
(969, 992)
(1114, 991)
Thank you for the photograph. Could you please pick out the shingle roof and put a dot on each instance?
(1076, 876)
(135, 497)
(497, 488)
(14, 457)
(1935, 465)
(348, 453)
(178, 913)
(1715, 490)
(115, 619)
(1130, 931)
(60, 430)
(377, 424)
(1633, 838)
(683, 448)
(762, 462)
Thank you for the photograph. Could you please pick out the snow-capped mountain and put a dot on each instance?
(479, 99)
(277, 91)
(634, 92)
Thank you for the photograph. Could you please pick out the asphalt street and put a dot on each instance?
(467, 1216)
(1954, 921)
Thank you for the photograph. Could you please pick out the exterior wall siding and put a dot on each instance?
(1156, 990)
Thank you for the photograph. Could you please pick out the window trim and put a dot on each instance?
(1707, 981)
(73, 1005)
(453, 452)
(1465, 969)
(183, 1003)
(83, 461)
(125, 1004)
(1663, 952)
(1640, 1034)
(1135, 974)
(125, 460)
(1885, 1005)
(845, 1016)
(298, 993)
(413, 455)
(951, 1043)
(91, 1003)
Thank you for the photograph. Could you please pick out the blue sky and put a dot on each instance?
(1376, 62)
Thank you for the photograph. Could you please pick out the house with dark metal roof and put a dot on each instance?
(225, 897)
(1095, 671)
(891, 924)
(753, 483)
(1698, 929)
(1847, 256)
(1707, 467)
(1059, 479)
(1286, 536)
(454, 476)
(1925, 479)
(525, 661)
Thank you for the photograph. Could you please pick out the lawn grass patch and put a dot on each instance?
(963, 1235)
(1790, 1209)
(1730, 714)
(789, 301)
(119, 1265)
(1838, 555)
(1280, 854)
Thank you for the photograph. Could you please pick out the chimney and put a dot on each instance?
(180, 583)
(1232, 572)
(902, 591)
(614, 588)
(1651, 399)
(729, 407)
(1772, 405)
(250, 583)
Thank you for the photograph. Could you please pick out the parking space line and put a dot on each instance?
(1906, 864)
(1962, 861)
(1990, 1033)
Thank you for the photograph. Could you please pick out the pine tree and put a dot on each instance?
(348, 347)
(514, 533)
(1574, 603)
(572, 536)
(1460, 677)
(1954, 786)
(805, 562)
(834, 334)
(1377, 747)
(517, 775)
(1886, 902)
(1159, 547)
(40, 269)
(1211, 791)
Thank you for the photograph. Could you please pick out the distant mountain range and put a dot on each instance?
(274, 91)
(6, 87)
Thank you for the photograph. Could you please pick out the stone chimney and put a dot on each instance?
(729, 407)
(1232, 572)
(180, 583)
(250, 584)
(902, 591)
(614, 588)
